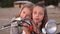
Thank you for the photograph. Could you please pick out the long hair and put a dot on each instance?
(30, 6)
(45, 18)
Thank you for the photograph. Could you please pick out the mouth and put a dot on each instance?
(36, 18)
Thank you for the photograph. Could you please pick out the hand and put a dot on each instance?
(26, 28)
(36, 28)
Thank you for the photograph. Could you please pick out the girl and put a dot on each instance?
(25, 13)
(39, 17)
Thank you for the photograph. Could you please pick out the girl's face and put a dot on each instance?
(38, 14)
(26, 13)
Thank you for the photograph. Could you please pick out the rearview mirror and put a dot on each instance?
(50, 27)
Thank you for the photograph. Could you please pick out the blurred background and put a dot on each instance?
(9, 8)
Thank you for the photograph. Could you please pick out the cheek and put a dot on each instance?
(22, 15)
(28, 15)
(33, 16)
(41, 17)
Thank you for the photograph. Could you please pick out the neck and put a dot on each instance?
(38, 24)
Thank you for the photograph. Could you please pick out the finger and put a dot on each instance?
(25, 25)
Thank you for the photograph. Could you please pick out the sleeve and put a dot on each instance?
(14, 29)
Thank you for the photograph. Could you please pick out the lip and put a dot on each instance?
(37, 18)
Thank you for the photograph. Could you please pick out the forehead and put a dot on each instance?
(26, 9)
(38, 8)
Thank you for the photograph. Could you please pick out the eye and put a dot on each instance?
(40, 13)
(23, 12)
(35, 12)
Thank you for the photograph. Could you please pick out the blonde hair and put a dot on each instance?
(30, 6)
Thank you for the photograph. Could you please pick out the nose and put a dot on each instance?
(37, 15)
